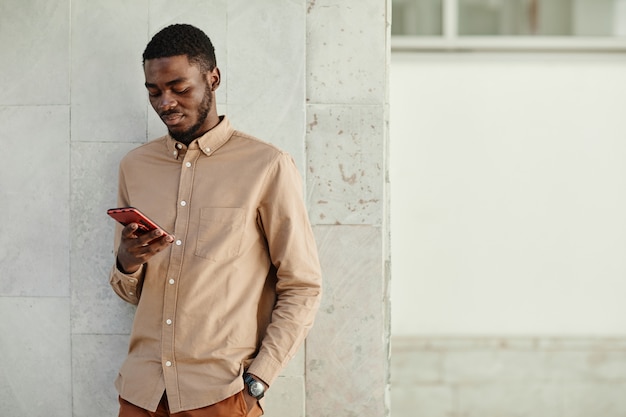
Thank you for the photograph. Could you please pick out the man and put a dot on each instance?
(228, 290)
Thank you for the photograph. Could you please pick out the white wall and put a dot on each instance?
(508, 176)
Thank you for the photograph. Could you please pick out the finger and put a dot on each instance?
(129, 230)
(161, 243)
(148, 238)
(153, 242)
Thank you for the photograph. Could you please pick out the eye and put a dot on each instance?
(154, 93)
(182, 91)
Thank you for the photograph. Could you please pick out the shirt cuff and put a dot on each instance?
(265, 368)
(127, 286)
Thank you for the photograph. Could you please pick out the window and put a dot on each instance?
(509, 24)
(417, 17)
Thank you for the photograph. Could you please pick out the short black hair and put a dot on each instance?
(182, 39)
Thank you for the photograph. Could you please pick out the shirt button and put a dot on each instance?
(168, 363)
(132, 280)
(207, 150)
(171, 281)
(131, 293)
(179, 146)
(183, 203)
(168, 321)
(188, 164)
(175, 153)
(179, 242)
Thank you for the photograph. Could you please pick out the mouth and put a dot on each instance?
(172, 119)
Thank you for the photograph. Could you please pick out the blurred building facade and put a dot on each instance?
(508, 201)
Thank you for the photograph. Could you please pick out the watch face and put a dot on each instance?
(256, 389)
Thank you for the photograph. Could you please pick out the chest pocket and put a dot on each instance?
(220, 233)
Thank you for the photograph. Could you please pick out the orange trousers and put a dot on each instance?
(234, 406)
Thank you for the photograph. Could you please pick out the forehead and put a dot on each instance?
(170, 68)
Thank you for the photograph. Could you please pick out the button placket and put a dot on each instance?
(180, 231)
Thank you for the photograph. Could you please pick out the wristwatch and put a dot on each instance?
(255, 388)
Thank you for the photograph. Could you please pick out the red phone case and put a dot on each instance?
(127, 215)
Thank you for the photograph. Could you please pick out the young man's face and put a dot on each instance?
(182, 96)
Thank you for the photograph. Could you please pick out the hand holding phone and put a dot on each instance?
(139, 245)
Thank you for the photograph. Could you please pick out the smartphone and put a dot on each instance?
(127, 215)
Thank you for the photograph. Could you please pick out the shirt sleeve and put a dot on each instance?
(126, 286)
(293, 253)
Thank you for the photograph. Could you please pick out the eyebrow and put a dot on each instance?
(169, 83)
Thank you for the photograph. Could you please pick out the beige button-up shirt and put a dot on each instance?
(239, 287)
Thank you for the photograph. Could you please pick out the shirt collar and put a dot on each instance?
(207, 143)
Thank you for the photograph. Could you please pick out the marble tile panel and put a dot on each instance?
(34, 52)
(266, 73)
(282, 125)
(345, 164)
(519, 400)
(584, 366)
(496, 364)
(156, 127)
(490, 366)
(286, 397)
(211, 17)
(416, 367)
(95, 307)
(96, 360)
(34, 190)
(346, 355)
(423, 401)
(35, 379)
(584, 400)
(296, 366)
(606, 366)
(346, 51)
(266, 53)
(108, 94)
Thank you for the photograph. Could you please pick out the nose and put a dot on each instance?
(166, 102)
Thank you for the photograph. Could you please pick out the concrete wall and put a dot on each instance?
(509, 193)
(508, 376)
(309, 76)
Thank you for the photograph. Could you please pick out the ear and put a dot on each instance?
(213, 78)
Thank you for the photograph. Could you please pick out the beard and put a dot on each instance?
(187, 136)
